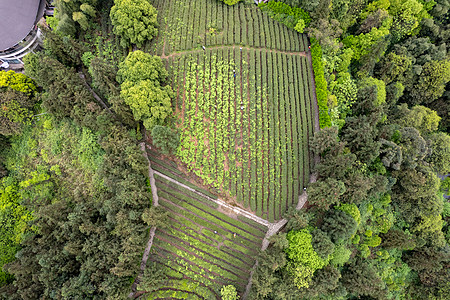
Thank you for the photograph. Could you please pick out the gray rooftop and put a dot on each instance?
(17, 18)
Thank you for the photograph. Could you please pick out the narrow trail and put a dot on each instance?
(94, 94)
(300, 53)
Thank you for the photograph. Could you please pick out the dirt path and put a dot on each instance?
(134, 292)
(301, 53)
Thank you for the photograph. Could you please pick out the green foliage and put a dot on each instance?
(340, 255)
(432, 81)
(14, 218)
(230, 2)
(361, 279)
(339, 225)
(352, 210)
(325, 193)
(380, 89)
(134, 21)
(229, 292)
(300, 26)
(362, 43)
(52, 22)
(15, 111)
(322, 243)
(439, 144)
(420, 117)
(148, 101)
(18, 82)
(321, 84)
(86, 58)
(139, 66)
(304, 261)
(289, 16)
(141, 75)
(80, 197)
(372, 241)
(165, 139)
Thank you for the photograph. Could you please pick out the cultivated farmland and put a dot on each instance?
(244, 103)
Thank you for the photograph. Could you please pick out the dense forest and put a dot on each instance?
(76, 206)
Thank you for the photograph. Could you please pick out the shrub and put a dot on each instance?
(86, 58)
(230, 2)
(283, 13)
(17, 82)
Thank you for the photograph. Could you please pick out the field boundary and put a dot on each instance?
(194, 50)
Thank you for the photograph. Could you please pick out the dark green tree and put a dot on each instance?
(339, 225)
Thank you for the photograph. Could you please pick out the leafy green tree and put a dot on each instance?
(15, 111)
(393, 67)
(14, 218)
(229, 292)
(134, 21)
(139, 65)
(380, 89)
(18, 82)
(420, 117)
(325, 193)
(165, 139)
(325, 283)
(414, 147)
(439, 144)
(154, 278)
(81, 19)
(303, 260)
(340, 255)
(431, 84)
(374, 19)
(324, 140)
(148, 101)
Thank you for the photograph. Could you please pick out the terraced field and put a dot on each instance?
(203, 249)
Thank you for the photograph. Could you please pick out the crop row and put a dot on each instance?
(187, 25)
(246, 119)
